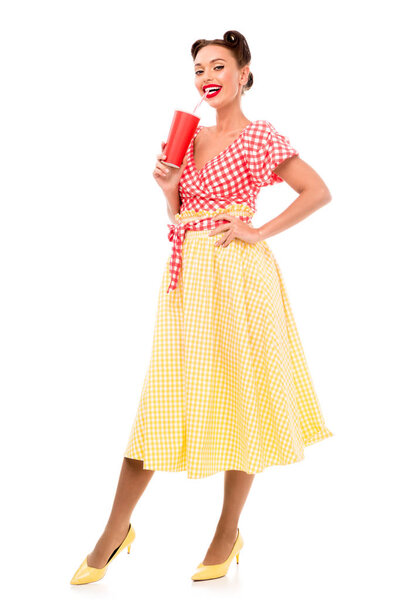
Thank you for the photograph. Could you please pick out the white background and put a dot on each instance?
(88, 94)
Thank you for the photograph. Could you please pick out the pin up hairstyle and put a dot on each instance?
(234, 41)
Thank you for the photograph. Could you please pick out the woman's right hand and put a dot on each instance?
(167, 177)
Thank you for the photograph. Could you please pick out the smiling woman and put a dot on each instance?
(239, 51)
(227, 387)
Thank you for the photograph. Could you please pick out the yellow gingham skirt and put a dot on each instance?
(228, 386)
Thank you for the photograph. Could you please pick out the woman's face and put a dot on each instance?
(216, 66)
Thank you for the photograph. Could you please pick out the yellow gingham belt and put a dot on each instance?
(202, 221)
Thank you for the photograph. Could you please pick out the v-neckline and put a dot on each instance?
(219, 154)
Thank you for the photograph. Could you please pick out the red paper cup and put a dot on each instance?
(180, 134)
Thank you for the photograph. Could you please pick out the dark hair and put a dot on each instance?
(234, 41)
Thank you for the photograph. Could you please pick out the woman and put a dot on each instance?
(228, 387)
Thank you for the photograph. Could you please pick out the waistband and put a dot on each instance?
(197, 221)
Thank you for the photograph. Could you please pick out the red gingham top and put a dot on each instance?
(229, 182)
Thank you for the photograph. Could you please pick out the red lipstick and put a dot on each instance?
(214, 90)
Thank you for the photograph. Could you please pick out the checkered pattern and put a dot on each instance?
(176, 236)
(227, 386)
(235, 175)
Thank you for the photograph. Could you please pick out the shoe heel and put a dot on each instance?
(129, 549)
(237, 558)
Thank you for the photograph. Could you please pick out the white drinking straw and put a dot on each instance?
(205, 94)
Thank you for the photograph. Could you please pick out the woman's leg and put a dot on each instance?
(132, 482)
(236, 488)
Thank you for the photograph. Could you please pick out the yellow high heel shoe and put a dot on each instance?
(86, 574)
(221, 569)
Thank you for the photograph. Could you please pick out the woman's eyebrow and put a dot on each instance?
(213, 60)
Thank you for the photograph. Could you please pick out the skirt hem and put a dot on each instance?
(148, 465)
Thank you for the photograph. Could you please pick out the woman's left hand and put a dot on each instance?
(236, 228)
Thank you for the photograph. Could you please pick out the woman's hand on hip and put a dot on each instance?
(236, 228)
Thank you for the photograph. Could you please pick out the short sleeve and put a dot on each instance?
(265, 149)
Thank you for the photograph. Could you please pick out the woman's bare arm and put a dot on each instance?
(312, 190)
(173, 202)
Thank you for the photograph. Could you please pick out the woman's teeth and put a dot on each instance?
(212, 91)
